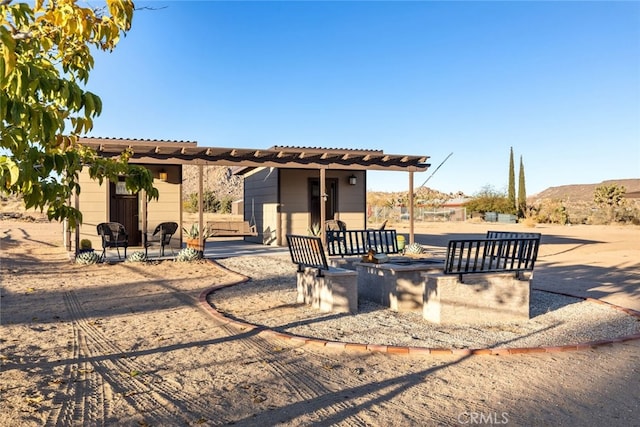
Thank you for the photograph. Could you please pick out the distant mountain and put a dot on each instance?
(582, 192)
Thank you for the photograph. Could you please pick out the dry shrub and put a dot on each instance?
(529, 222)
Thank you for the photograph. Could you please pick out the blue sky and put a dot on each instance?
(557, 81)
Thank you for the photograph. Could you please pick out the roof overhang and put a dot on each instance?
(186, 152)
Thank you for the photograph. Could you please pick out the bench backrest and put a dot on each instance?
(511, 235)
(307, 251)
(358, 242)
(491, 255)
(231, 228)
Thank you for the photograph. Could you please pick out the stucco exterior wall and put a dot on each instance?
(294, 189)
(261, 204)
(168, 207)
(94, 205)
(93, 202)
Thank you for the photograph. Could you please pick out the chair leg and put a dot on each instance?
(118, 250)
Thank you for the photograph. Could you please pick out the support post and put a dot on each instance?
(323, 207)
(411, 232)
(200, 208)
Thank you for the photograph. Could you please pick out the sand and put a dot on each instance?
(130, 344)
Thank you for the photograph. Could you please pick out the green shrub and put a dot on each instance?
(88, 258)
(137, 256)
(188, 255)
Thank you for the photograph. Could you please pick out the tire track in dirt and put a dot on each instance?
(100, 361)
(323, 389)
(308, 388)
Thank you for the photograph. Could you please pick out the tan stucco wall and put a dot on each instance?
(295, 199)
(94, 207)
(94, 204)
(261, 204)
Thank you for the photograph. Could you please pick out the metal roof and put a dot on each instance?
(188, 152)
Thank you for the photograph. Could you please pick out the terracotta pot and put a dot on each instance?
(195, 244)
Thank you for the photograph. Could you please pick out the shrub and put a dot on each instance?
(188, 255)
(85, 244)
(137, 256)
(414, 248)
(88, 258)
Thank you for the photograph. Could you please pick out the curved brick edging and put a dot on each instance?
(405, 350)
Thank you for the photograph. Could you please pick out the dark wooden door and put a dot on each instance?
(124, 209)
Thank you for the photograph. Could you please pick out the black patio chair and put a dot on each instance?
(162, 236)
(113, 235)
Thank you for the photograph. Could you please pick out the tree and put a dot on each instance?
(608, 197)
(489, 200)
(522, 192)
(512, 181)
(45, 60)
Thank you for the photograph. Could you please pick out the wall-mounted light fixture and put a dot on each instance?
(353, 180)
(162, 175)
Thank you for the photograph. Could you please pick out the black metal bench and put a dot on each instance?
(495, 255)
(307, 251)
(358, 242)
(512, 235)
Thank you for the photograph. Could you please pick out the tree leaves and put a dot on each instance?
(45, 58)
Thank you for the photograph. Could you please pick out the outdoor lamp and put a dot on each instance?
(353, 180)
(162, 175)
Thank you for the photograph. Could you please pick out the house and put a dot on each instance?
(287, 189)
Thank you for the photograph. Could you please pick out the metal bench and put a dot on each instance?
(512, 235)
(331, 288)
(358, 242)
(496, 255)
(307, 251)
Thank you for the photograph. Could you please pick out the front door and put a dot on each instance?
(331, 205)
(124, 209)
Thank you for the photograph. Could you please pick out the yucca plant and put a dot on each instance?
(188, 254)
(88, 258)
(315, 230)
(137, 256)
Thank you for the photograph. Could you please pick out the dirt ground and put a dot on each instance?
(130, 344)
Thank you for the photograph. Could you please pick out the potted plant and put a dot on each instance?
(193, 236)
(85, 246)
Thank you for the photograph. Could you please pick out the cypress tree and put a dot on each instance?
(512, 184)
(522, 192)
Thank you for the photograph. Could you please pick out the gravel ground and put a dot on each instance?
(555, 319)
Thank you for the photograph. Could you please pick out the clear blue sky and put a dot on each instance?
(557, 81)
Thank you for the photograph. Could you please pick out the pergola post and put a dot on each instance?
(200, 208)
(323, 207)
(411, 233)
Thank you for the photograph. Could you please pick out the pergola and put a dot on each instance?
(321, 159)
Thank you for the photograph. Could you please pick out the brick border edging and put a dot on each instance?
(407, 350)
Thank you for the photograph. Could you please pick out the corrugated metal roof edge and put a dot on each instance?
(144, 140)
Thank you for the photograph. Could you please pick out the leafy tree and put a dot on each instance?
(490, 200)
(45, 60)
(512, 181)
(608, 197)
(522, 192)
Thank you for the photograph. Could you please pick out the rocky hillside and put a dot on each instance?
(217, 179)
(581, 192)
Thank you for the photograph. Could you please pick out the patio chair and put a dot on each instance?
(333, 227)
(113, 235)
(161, 236)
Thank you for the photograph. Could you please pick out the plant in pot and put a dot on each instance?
(193, 236)
(85, 246)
